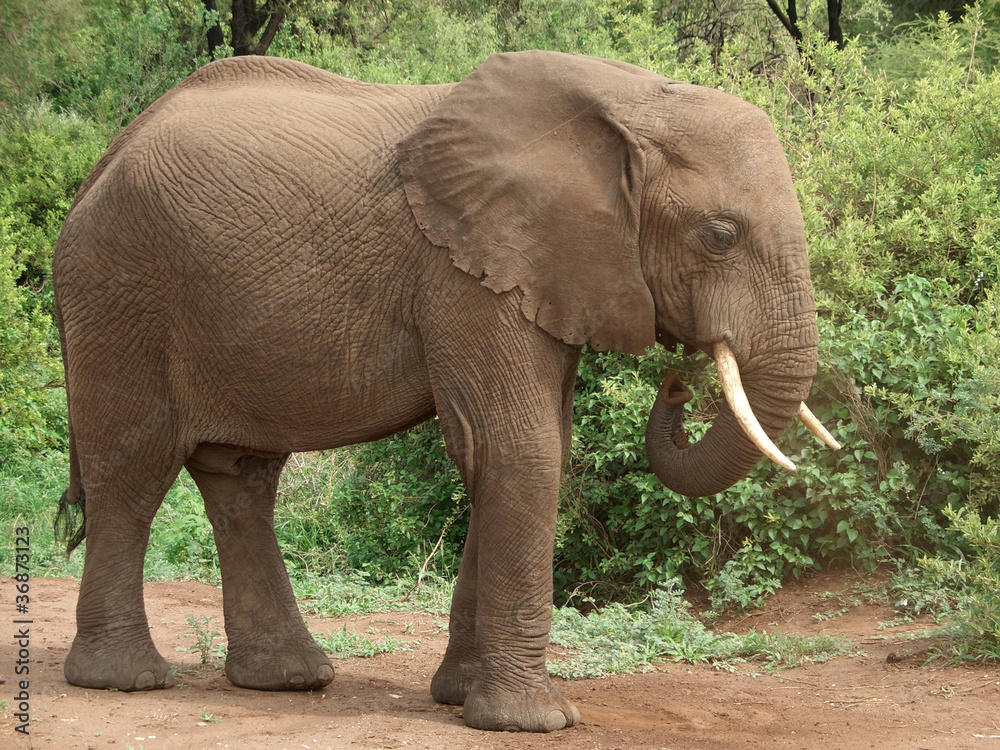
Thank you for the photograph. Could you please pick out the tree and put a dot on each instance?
(245, 23)
(790, 20)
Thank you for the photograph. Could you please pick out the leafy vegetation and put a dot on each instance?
(619, 638)
(960, 588)
(893, 142)
(209, 652)
(342, 644)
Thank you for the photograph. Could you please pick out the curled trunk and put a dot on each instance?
(725, 454)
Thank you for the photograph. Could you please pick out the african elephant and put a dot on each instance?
(273, 258)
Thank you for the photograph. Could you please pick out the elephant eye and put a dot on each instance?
(720, 236)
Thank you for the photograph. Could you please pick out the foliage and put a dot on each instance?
(43, 158)
(38, 37)
(181, 537)
(965, 586)
(208, 650)
(402, 508)
(130, 52)
(342, 644)
(30, 413)
(28, 491)
(619, 638)
(353, 593)
(920, 39)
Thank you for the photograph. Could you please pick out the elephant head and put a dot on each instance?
(625, 208)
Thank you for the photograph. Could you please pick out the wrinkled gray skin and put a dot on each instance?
(275, 259)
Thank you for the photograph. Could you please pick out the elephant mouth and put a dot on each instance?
(668, 340)
(736, 397)
(675, 394)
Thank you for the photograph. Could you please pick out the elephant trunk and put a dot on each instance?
(726, 453)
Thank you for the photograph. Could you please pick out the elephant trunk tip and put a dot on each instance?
(673, 392)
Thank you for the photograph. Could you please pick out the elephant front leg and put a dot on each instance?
(269, 645)
(502, 607)
(514, 604)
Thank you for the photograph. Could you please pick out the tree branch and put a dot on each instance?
(776, 9)
(214, 34)
(272, 28)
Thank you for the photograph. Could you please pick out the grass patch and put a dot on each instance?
(29, 496)
(353, 593)
(342, 644)
(620, 638)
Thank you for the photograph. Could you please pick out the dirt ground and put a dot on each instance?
(885, 696)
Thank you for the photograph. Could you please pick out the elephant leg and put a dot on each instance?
(460, 668)
(269, 645)
(506, 433)
(112, 647)
(514, 598)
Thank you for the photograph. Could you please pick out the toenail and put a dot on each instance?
(555, 720)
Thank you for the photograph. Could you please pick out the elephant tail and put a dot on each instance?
(71, 518)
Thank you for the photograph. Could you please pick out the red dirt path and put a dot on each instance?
(884, 697)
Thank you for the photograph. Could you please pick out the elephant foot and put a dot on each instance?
(454, 680)
(271, 665)
(125, 668)
(539, 709)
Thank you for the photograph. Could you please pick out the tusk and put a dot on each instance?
(816, 427)
(732, 386)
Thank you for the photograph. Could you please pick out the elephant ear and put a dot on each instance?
(525, 174)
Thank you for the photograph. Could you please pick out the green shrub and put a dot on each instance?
(131, 52)
(181, 544)
(39, 37)
(44, 156)
(31, 411)
(403, 508)
(970, 584)
(619, 638)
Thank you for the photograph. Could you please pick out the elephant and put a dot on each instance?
(272, 258)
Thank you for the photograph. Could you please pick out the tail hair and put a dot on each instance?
(71, 521)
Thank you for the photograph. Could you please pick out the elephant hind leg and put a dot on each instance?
(461, 667)
(269, 645)
(112, 647)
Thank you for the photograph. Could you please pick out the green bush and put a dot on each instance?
(131, 52)
(403, 507)
(31, 412)
(44, 156)
(964, 587)
(39, 37)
